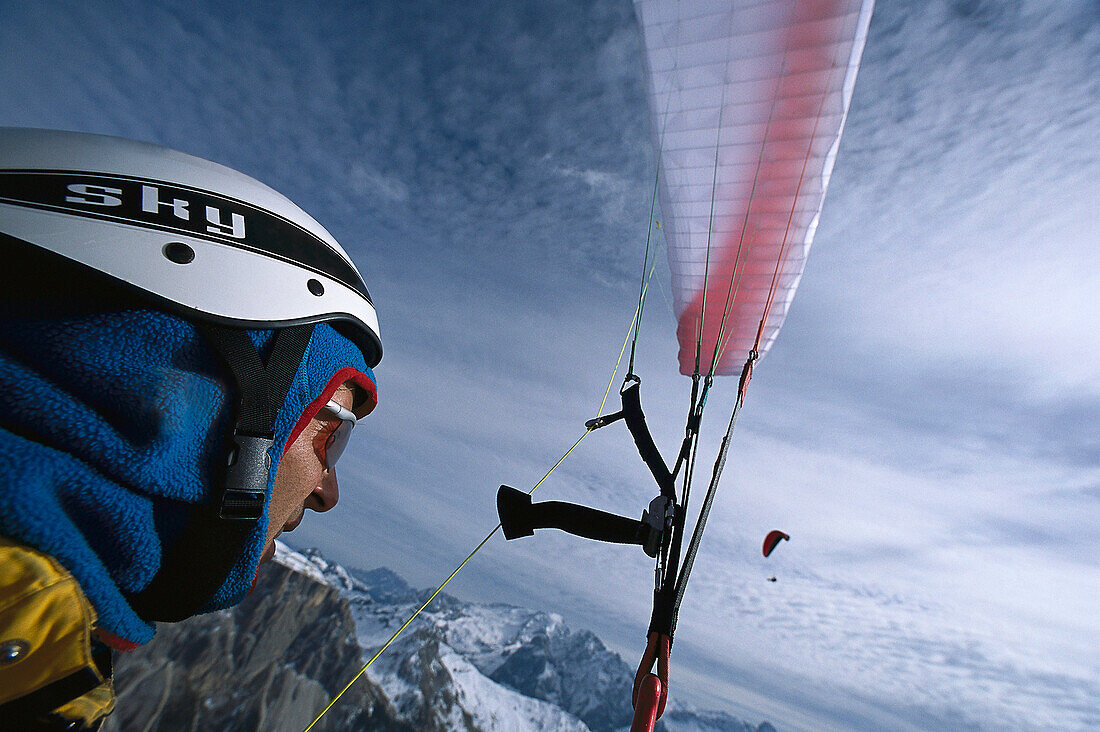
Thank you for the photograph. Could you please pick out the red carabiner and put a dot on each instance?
(651, 690)
(648, 704)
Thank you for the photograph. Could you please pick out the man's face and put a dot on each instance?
(302, 481)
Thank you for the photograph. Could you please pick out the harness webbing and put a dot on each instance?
(639, 430)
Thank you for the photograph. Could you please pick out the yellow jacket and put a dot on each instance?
(51, 669)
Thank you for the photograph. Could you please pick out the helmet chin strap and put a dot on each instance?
(217, 532)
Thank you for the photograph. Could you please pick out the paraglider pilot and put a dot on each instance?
(183, 355)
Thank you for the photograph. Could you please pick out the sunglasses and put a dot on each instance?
(338, 438)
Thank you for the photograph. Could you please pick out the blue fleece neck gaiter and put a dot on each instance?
(113, 423)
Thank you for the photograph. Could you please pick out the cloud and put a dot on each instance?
(924, 427)
(964, 187)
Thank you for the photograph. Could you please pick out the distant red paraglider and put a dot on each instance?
(772, 539)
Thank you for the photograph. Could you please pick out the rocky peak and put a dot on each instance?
(276, 660)
(270, 663)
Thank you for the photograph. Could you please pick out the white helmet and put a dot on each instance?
(201, 238)
(213, 246)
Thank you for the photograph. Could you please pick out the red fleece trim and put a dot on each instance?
(347, 373)
(114, 641)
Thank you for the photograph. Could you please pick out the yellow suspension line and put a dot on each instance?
(429, 600)
(488, 536)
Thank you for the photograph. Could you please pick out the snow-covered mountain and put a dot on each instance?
(463, 665)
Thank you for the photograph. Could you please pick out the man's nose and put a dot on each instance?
(326, 495)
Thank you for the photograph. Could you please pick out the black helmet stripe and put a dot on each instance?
(171, 207)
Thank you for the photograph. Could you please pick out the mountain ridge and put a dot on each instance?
(277, 659)
(530, 653)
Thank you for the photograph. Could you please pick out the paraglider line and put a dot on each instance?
(675, 585)
(710, 223)
(731, 296)
(407, 622)
(483, 542)
(633, 326)
(648, 237)
(704, 512)
(439, 589)
(710, 226)
(786, 234)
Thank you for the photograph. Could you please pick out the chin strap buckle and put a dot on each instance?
(249, 465)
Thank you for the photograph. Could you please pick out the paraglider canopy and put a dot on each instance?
(772, 540)
(747, 102)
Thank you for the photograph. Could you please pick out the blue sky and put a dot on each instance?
(925, 427)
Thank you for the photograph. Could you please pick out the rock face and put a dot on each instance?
(573, 671)
(470, 666)
(271, 663)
